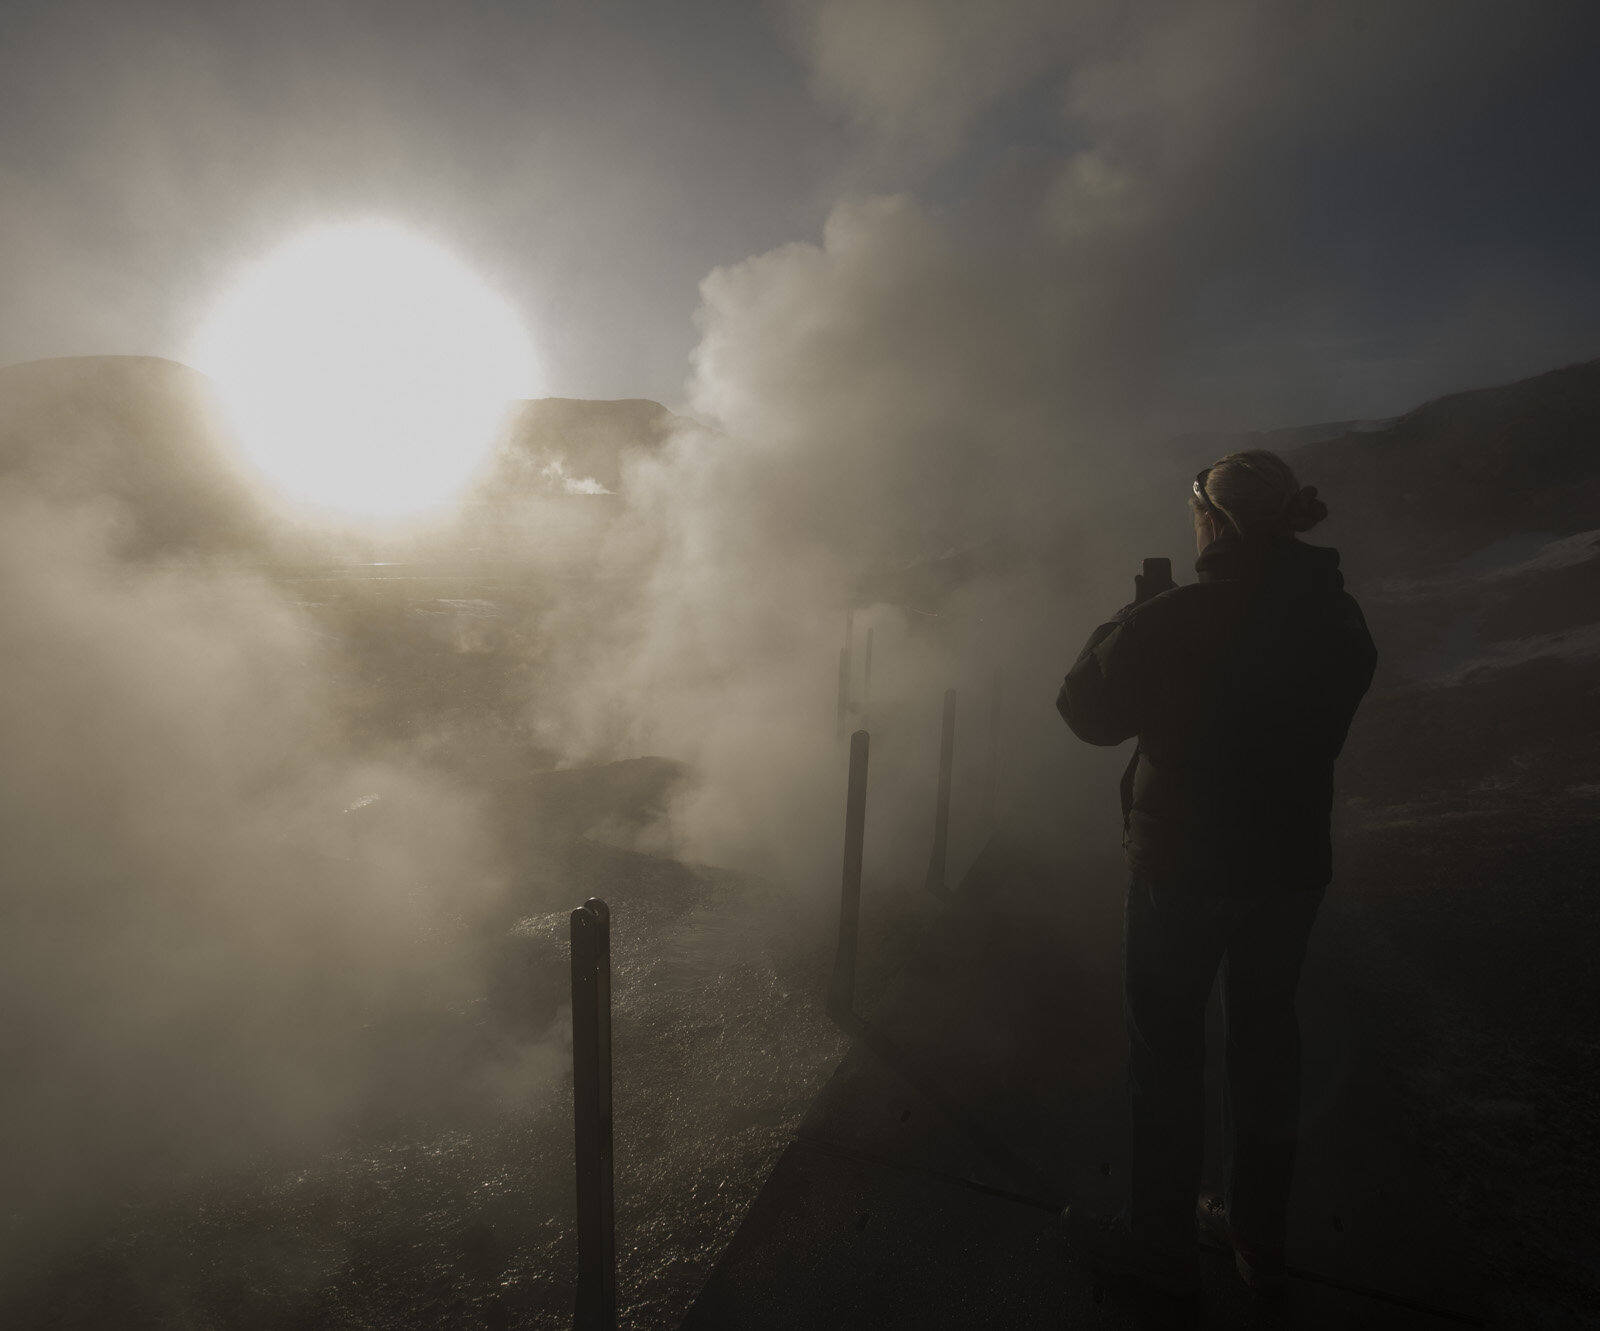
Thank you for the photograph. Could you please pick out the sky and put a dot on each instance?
(1222, 215)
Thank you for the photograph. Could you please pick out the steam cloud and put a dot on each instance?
(1205, 241)
(966, 359)
(208, 920)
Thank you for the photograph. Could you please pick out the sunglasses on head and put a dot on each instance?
(1200, 487)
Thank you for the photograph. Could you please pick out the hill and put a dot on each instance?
(571, 446)
(135, 430)
(1194, 449)
(1462, 472)
(143, 433)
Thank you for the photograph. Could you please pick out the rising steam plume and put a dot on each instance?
(947, 386)
(216, 897)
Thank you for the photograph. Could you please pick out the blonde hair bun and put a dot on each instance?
(1304, 510)
(1256, 491)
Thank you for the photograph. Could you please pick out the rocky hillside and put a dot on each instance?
(1462, 472)
(136, 432)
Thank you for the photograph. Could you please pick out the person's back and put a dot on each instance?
(1240, 688)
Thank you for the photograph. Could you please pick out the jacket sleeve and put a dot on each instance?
(1100, 698)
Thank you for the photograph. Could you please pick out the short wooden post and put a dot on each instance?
(841, 993)
(591, 1112)
(941, 816)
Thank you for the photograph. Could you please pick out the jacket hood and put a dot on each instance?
(1279, 562)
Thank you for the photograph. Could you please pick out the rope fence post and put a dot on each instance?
(941, 815)
(866, 675)
(841, 992)
(591, 1112)
(844, 693)
(991, 769)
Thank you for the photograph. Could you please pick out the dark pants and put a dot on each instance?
(1173, 943)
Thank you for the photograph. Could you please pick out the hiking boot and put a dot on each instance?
(1262, 1268)
(1111, 1249)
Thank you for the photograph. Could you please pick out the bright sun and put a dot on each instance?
(365, 369)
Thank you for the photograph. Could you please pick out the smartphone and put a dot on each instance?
(1156, 578)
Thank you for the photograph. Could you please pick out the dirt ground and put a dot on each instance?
(451, 1216)
(1467, 842)
(1475, 936)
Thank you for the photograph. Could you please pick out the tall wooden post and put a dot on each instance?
(941, 815)
(866, 675)
(844, 694)
(841, 993)
(591, 1112)
(991, 770)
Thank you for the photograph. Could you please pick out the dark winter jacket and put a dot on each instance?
(1240, 688)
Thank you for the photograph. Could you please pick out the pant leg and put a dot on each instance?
(1172, 944)
(1260, 973)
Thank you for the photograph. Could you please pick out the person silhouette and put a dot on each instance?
(1240, 688)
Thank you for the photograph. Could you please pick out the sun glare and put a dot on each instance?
(365, 369)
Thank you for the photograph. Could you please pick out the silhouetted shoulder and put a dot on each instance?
(1105, 697)
(1177, 612)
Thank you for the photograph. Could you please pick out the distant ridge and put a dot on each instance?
(1407, 497)
(554, 445)
(1460, 472)
(1198, 448)
(138, 430)
(142, 431)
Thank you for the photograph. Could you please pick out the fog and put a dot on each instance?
(221, 904)
(926, 319)
(1204, 246)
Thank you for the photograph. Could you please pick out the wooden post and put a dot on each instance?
(991, 771)
(844, 693)
(866, 675)
(841, 993)
(941, 816)
(591, 1112)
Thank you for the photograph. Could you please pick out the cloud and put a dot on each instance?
(1246, 209)
(915, 75)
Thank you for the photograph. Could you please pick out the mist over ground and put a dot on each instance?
(286, 801)
(213, 891)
